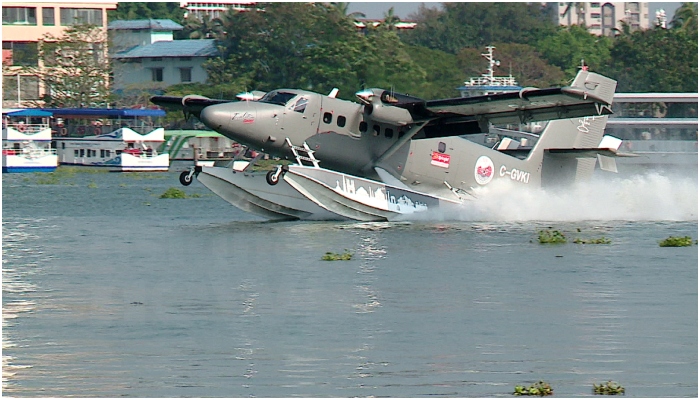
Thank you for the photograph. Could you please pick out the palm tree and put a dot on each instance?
(344, 8)
(201, 27)
(390, 19)
(686, 18)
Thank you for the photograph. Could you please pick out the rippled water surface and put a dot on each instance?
(109, 290)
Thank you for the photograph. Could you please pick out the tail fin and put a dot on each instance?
(559, 164)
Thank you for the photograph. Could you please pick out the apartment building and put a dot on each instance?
(209, 10)
(602, 18)
(24, 25)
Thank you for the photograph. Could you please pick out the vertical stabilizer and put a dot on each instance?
(575, 133)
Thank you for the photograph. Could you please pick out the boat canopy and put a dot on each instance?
(105, 112)
(28, 112)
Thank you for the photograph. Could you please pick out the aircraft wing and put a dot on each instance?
(590, 94)
(191, 104)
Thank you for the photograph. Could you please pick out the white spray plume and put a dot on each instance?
(649, 197)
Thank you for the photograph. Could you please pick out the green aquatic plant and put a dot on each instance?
(47, 178)
(330, 256)
(174, 193)
(546, 236)
(676, 241)
(540, 388)
(609, 388)
(600, 240)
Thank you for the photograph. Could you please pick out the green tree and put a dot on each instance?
(570, 45)
(686, 19)
(655, 60)
(74, 68)
(307, 46)
(145, 10)
(460, 25)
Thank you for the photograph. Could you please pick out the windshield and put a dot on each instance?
(275, 97)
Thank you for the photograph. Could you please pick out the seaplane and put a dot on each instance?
(390, 156)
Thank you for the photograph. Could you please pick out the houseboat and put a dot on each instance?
(124, 140)
(26, 141)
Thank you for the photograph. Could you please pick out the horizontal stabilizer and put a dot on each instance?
(587, 153)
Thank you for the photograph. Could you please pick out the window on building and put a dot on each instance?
(74, 16)
(19, 15)
(186, 74)
(157, 74)
(185, 58)
(156, 58)
(47, 16)
(341, 121)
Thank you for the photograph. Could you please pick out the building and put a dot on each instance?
(148, 58)
(602, 18)
(24, 25)
(215, 9)
(363, 24)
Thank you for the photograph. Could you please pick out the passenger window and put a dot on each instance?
(327, 117)
(300, 106)
(376, 130)
(363, 127)
(341, 121)
(388, 133)
(442, 147)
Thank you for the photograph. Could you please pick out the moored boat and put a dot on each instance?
(26, 141)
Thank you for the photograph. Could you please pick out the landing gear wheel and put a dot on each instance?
(273, 177)
(186, 178)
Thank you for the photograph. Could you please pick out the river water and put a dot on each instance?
(110, 291)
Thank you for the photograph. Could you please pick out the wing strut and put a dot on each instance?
(399, 143)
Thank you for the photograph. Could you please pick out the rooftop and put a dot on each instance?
(152, 24)
(173, 48)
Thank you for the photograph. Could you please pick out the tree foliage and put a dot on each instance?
(307, 46)
(477, 24)
(75, 69)
(146, 10)
(570, 45)
(655, 60)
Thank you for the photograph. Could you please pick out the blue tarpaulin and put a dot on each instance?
(30, 112)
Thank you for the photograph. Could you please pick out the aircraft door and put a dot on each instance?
(301, 117)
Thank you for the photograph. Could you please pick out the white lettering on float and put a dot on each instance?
(515, 174)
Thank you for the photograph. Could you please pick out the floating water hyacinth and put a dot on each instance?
(547, 236)
(609, 388)
(676, 241)
(330, 256)
(540, 388)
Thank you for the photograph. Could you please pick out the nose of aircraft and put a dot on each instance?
(215, 117)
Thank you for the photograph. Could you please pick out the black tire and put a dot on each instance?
(272, 178)
(185, 178)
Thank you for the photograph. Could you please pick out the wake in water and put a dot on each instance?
(649, 197)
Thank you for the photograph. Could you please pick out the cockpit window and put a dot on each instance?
(300, 105)
(275, 97)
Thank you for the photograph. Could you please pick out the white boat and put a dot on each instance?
(123, 150)
(26, 142)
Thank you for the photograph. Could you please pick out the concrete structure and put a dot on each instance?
(125, 35)
(211, 10)
(147, 57)
(24, 25)
(602, 18)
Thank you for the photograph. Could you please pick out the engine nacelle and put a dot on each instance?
(377, 111)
